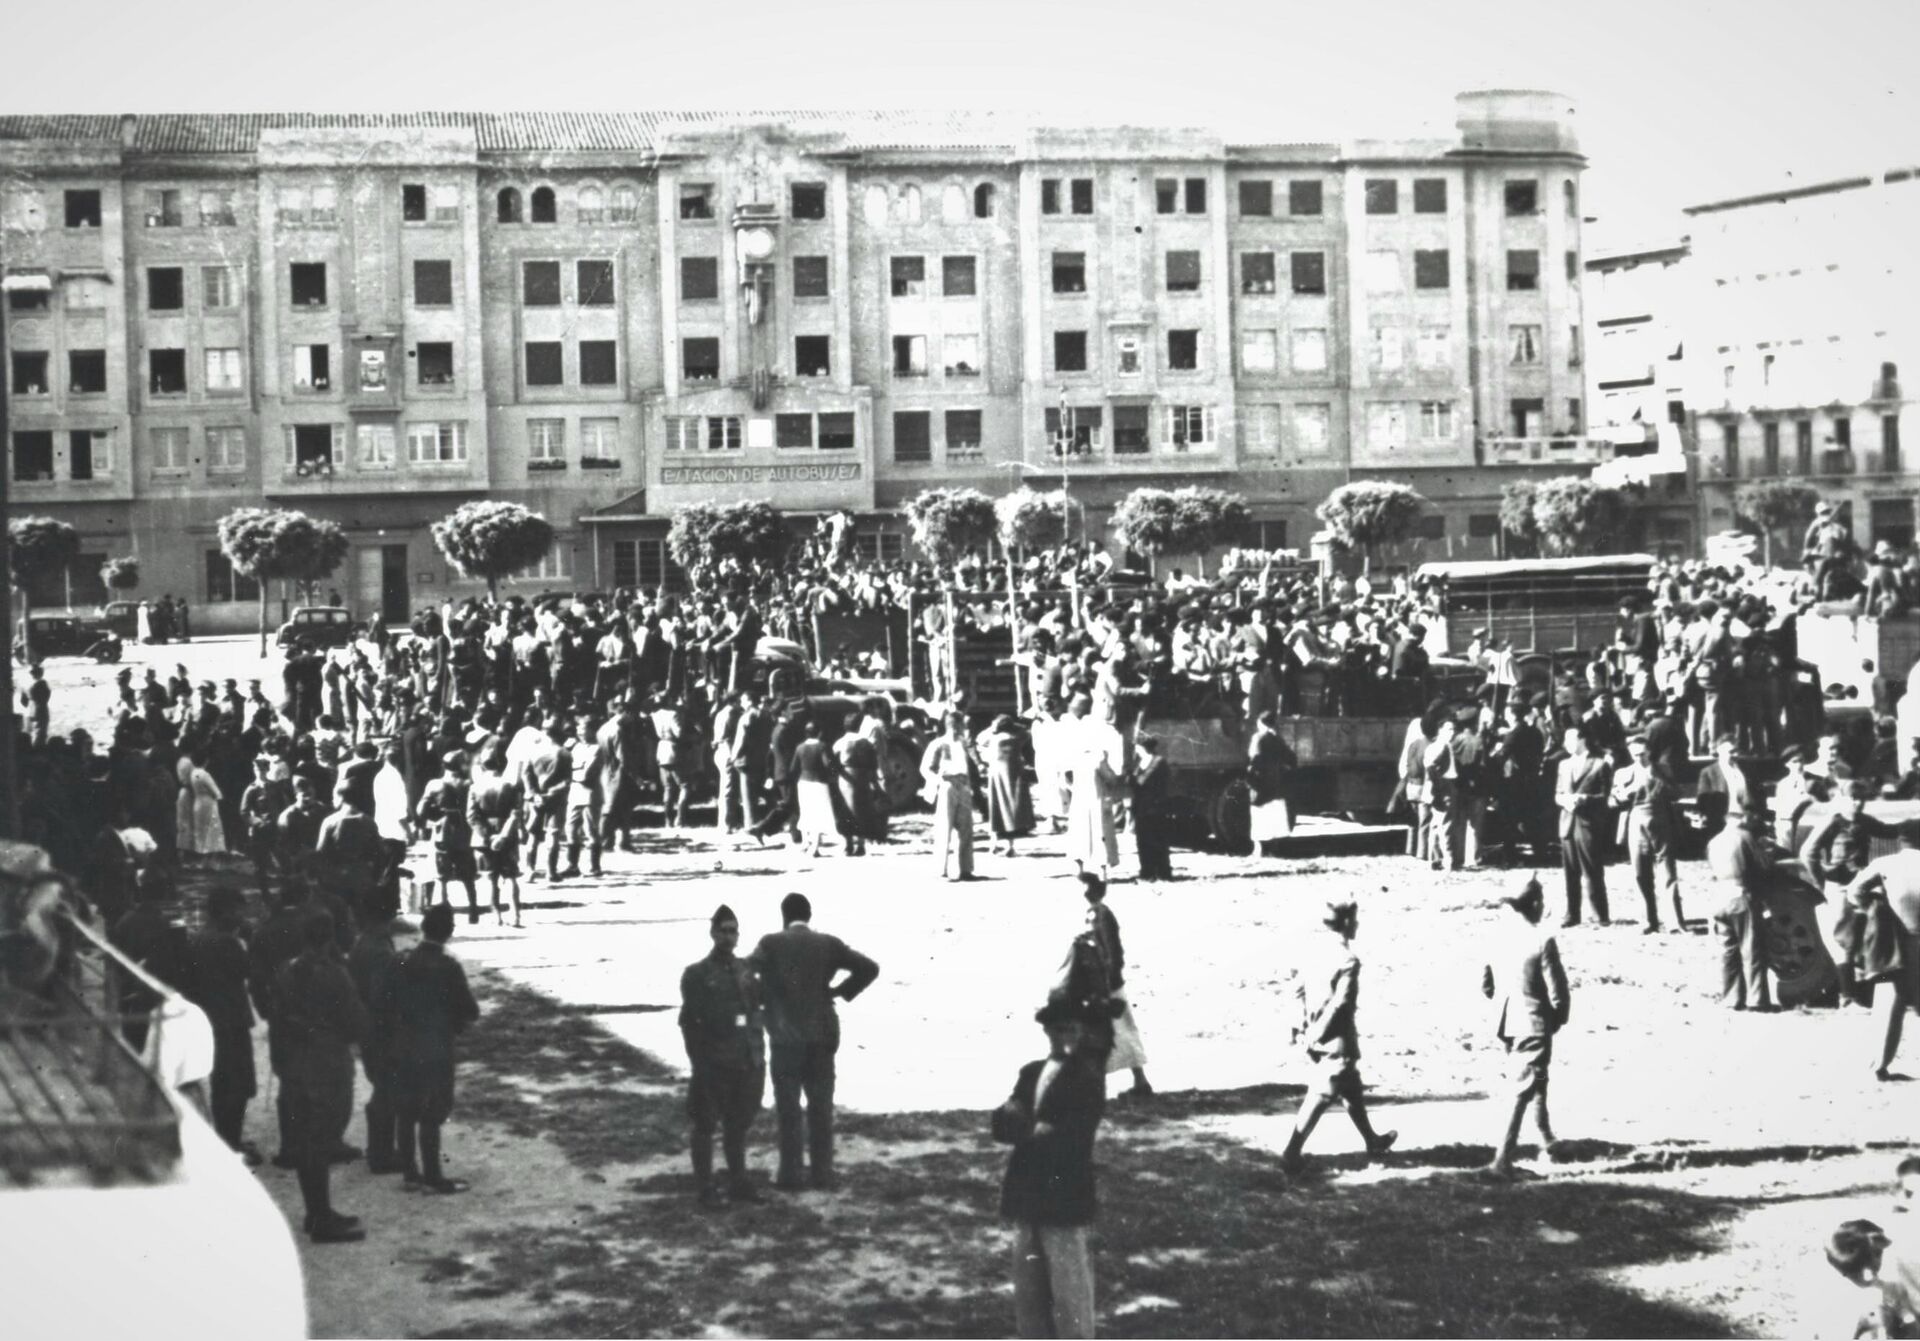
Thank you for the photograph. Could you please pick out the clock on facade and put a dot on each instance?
(756, 244)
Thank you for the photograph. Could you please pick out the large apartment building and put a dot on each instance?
(374, 318)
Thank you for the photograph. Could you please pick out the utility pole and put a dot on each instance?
(9, 731)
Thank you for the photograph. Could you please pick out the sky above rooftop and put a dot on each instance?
(1679, 101)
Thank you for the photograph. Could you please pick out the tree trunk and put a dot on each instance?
(493, 589)
(1200, 564)
(263, 619)
(26, 626)
(1766, 546)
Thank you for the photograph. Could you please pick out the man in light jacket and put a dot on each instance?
(1531, 999)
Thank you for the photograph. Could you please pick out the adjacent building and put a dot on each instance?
(374, 318)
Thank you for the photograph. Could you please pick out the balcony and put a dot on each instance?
(1565, 451)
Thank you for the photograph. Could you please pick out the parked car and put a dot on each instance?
(69, 635)
(319, 626)
(123, 617)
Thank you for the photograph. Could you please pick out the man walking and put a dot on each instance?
(724, 1030)
(1329, 996)
(1050, 1120)
(1531, 999)
(1896, 878)
(797, 967)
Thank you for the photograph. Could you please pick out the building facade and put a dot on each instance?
(374, 318)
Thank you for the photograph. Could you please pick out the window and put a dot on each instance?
(1183, 350)
(1524, 345)
(375, 446)
(1523, 270)
(540, 283)
(30, 376)
(1166, 195)
(33, 456)
(590, 205)
(291, 206)
(167, 450)
(1069, 351)
(1126, 350)
(1183, 272)
(1889, 443)
(600, 442)
(321, 205)
(89, 453)
(1573, 346)
(1260, 429)
(983, 201)
(793, 430)
(309, 280)
(1050, 195)
(166, 289)
(1436, 420)
(223, 370)
(30, 300)
(1429, 195)
(225, 584)
(1257, 272)
(1573, 267)
(836, 431)
(1730, 449)
(509, 206)
(1196, 195)
(593, 283)
(216, 287)
(683, 433)
(1571, 195)
(163, 209)
(83, 209)
(1803, 446)
(436, 444)
(216, 209)
(909, 356)
(1309, 271)
(1130, 431)
(1528, 412)
(1259, 351)
(809, 277)
(1190, 427)
(1309, 349)
(1483, 526)
(1386, 425)
(1434, 347)
(1069, 272)
(696, 200)
(167, 372)
(1575, 422)
(909, 275)
(546, 440)
(908, 207)
(23, 210)
(545, 363)
(541, 206)
(960, 354)
(1387, 351)
(226, 450)
(1523, 197)
(1312, 429)
(87, 371)
(877, 206)
(433, 362)
(1303, 198)
(964, 433)
(413, 203)
(912, 436)
(1080, 195)
(1432, 269)
(433, 283)
(78, 293)
(1766, 369)
(1383, 272)
(957, 278)
(1084, 430)
(813, 355)
(1843, 432)
(625, 206)
(1382, 195)
(1256, 199)
(807, 200)
(1431, 526)
(444, 199)
(700, 358)
(312, 367)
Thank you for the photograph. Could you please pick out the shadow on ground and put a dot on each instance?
(1199, 1234)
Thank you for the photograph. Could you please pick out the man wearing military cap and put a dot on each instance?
(722, 1024)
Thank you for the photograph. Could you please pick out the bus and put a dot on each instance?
(1544, 606)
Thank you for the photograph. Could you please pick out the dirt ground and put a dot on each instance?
(1709, 1152)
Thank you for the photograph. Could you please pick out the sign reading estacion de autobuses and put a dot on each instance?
(833, 472)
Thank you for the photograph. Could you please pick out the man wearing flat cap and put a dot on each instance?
(723, 1026)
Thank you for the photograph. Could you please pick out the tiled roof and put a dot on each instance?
(69, 128)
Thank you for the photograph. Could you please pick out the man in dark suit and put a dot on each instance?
(734, 649)
(1529, 990)
(424, 1003)
(370, 963)
(1580, 790)
(797, 967)
(320, 1016)
(1050, 1121)
(217, 983)
(1514, 766)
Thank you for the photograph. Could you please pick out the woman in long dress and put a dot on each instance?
(1095, 758)
(813, 768)
(1009, 808)
(197, 811)
(1270, 765)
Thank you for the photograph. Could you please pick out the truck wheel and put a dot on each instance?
(900, 776)
(1231, 817)
(1796, 955)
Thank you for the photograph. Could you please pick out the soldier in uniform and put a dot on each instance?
(320, 1014)
(371, 962)
(425, 1002)
(217, 983)
(721, 1021)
